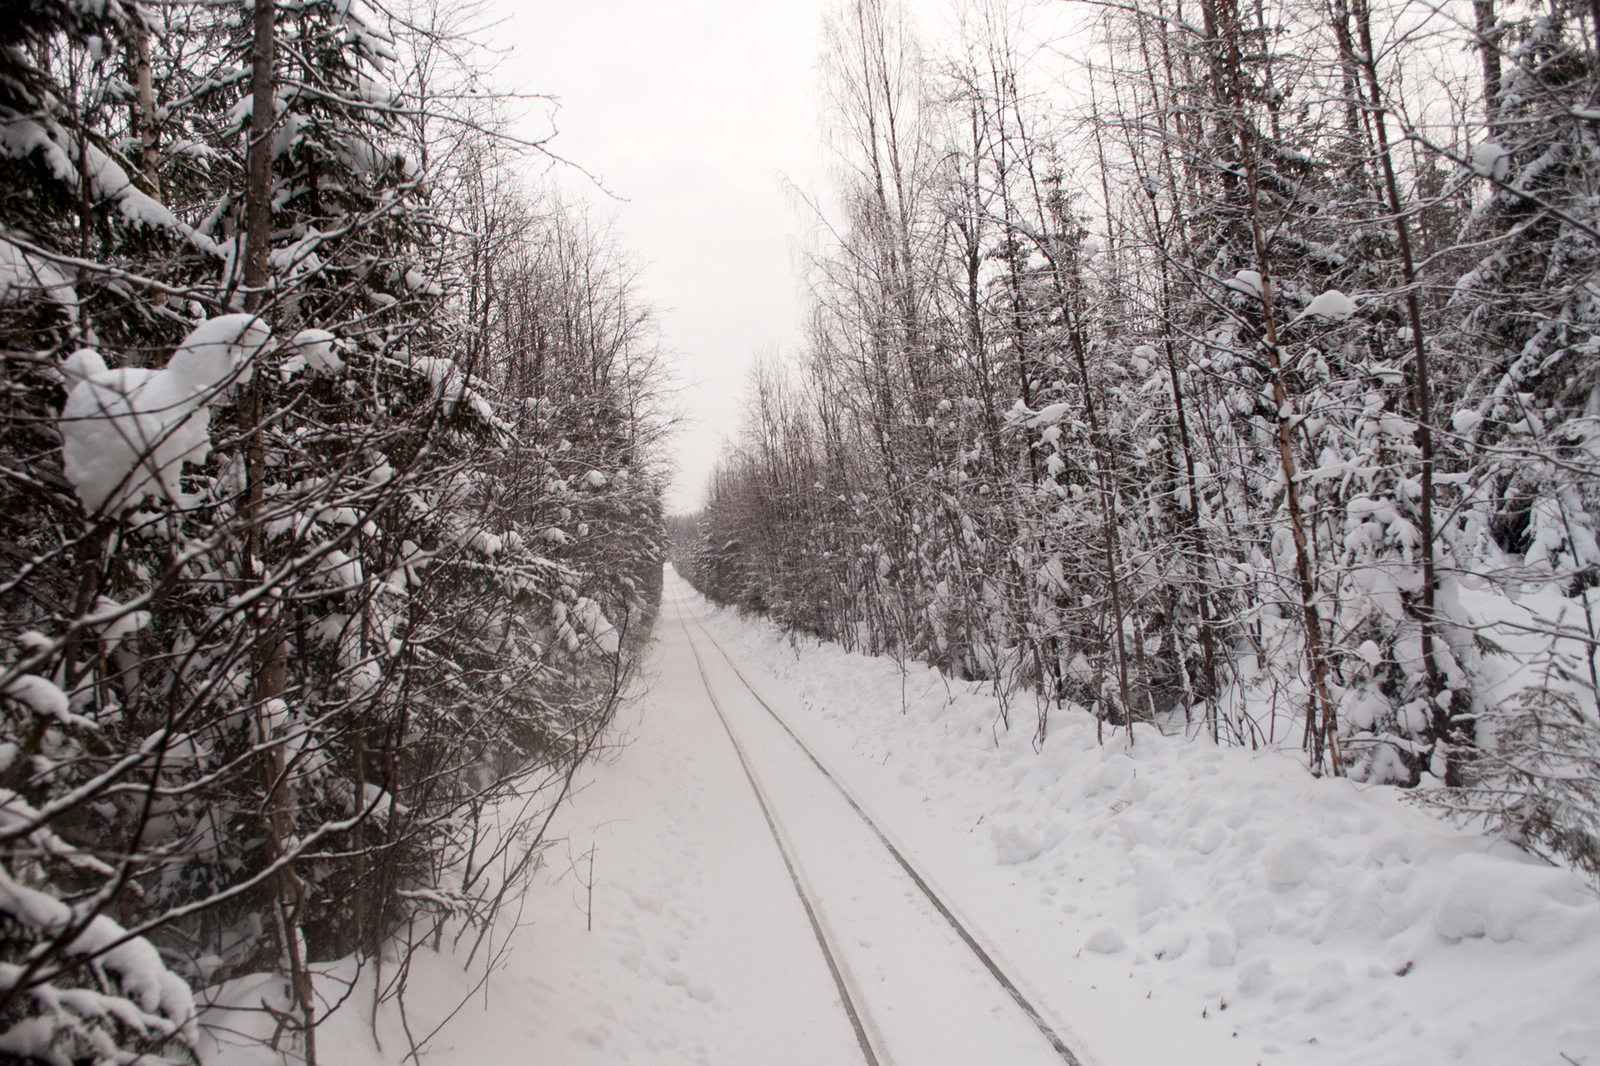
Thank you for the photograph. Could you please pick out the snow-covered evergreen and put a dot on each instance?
(302, 574)
(1117, 405)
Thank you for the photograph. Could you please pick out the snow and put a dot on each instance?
(23, 278)
(121, 622)
(416, 282)
(1230, 875)
(126, 433)
(595, 624)
(316, 347)
(1246, 281)
(1332, 305)
(1491, 160)
(146, 982)
(454, 384)
(21, 137)
(81, 365)
(1168, 901)
(40, 694)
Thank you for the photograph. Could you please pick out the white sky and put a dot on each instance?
(695, 113)
(692, 110)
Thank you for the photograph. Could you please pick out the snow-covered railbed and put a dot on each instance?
(921, 992)
(1172, 901)
(1168, 903)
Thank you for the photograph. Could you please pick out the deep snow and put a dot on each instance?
(1166, 901)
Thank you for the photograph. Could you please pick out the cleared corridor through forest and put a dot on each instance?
(917, 984)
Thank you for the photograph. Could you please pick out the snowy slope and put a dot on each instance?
(1178, 900)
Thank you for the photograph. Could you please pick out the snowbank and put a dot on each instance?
(1205, 888)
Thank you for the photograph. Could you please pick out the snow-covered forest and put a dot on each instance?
(331, 460)
(1227, 367)
(1190, 476)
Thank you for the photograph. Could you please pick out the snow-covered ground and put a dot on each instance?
(1162, 902)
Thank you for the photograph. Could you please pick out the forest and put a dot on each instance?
(1225, 367)
(331, 461)
(1222, 369)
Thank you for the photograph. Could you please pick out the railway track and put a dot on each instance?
(872, 1004)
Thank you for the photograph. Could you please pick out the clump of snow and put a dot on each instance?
(80, 366)
(417, 282)
(455, 384)
(58, 149)
(314, 349)
(1046, 416)
(24, 278)
(40, 694)
(148, 987)
(1491, 160)
(45, 699)
(594, 622)
(317, 345)
(1332, 305)
(1246, 281)
(126, 433)
(1013, 845)
(116, 622)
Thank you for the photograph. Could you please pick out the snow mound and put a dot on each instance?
(1502, 901)
(1013, 845)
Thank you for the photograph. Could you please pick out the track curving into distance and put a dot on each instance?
(982, 955)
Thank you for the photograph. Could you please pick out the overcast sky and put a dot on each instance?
(694, 111)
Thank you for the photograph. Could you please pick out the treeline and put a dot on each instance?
(330, 508)
(1227, 367)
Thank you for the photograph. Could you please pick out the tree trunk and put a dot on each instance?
(1441, 716)
(258, 175)
(1489, 52)
(1322, 738)
(147, 105)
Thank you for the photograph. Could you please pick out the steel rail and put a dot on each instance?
(1023, 1003)
(794, 875)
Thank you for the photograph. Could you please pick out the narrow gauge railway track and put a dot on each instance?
(831, 953)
